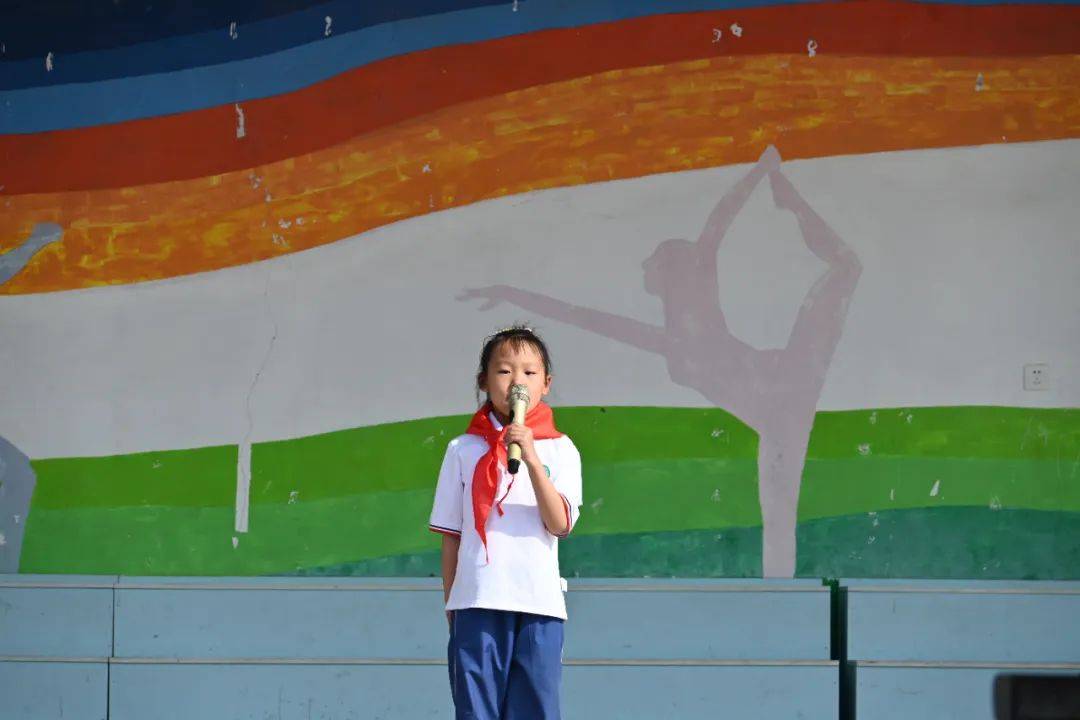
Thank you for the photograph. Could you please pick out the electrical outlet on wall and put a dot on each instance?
(1036, 376)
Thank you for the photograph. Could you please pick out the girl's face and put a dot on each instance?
(509, 366)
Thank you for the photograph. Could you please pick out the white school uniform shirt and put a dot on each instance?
(521, 571)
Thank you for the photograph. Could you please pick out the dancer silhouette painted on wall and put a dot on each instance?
(774, 391)
(17, 478)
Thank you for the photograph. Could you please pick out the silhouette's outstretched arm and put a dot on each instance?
(724, 213)
(626, 330)
(15, 260)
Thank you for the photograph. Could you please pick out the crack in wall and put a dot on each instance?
(243, 463)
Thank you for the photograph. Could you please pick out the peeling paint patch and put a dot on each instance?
(597, 503)
(294, 495)
(873, 418)
(811, 48)
(49, 62)
(995, 503)
(736, 30)
(716, 495)
(232, 30)
(864, 449)
(935, 489)
(235, 542)
(240, 130)
(980, 83)
(329, 21)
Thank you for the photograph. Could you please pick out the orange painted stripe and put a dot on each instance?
(614, 125)
(202, 143)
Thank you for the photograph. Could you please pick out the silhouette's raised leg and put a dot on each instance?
(820, 320)
(819, 237)
(15, 260)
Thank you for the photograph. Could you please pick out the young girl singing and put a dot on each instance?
(500, 552)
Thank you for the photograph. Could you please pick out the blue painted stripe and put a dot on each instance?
(58, 107)
(213, 46)
(70, 26)
(102, 41)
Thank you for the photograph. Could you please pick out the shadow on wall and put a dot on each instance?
(773, 391)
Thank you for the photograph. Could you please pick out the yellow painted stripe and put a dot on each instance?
(612, 125)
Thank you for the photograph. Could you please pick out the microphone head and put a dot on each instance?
(519, 393)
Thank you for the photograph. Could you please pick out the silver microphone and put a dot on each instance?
(519, 405)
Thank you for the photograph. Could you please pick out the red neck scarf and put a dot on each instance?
(486, 475)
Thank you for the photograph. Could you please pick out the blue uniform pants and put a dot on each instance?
(505, 665)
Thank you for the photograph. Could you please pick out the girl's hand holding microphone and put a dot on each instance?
(523, 436)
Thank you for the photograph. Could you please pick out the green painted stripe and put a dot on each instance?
(185, 540)
(669, 495)
(203, 477)
(284, 536)
(839, 487)
(366, 493)
(406, 455)
(381, 458)
(956, 542)
(962, 431)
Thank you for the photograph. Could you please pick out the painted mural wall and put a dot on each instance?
(791, 259)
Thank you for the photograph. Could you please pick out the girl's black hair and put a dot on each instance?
(518, 336)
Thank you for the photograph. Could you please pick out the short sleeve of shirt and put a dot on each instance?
(446, 512)
(567, 480)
